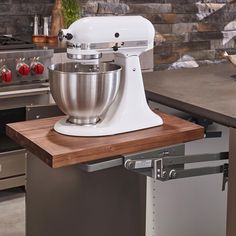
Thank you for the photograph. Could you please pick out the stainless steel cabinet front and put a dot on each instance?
(12, 163)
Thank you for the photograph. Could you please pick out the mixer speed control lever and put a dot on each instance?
(116, 47)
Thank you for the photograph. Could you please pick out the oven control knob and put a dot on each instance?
(37, 68)
(6, 75)
(22, 69)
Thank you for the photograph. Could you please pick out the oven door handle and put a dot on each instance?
(13, 153)
(24, 92)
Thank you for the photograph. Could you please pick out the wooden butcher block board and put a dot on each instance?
(59, 150)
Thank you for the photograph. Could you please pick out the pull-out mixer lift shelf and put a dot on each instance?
(109, 201)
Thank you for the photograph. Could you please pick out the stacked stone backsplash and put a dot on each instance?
(16, 16)
(188, 33)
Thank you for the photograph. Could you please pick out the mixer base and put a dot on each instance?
(103, 128)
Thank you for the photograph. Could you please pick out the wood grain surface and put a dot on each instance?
(59, 150)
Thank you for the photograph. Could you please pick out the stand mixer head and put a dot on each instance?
(103, 98)
(89, 37)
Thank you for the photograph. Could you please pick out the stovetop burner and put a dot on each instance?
(8, 43)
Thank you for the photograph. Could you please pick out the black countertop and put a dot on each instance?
(208, 91)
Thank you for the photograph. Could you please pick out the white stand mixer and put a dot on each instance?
(127, 37)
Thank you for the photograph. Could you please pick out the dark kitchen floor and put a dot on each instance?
(12, 212)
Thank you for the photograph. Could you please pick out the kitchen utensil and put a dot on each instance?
(45, 26)
(57, 18)
(84, 92)
(39, 38)
(36, 25)
(52, 39)
(93, 97)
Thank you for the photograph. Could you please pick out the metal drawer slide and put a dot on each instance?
(166, 164)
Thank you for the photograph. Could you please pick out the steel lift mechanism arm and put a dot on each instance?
(167, 164)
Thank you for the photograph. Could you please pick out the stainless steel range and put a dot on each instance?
(24, 95)
(8, 43)
(23, 67)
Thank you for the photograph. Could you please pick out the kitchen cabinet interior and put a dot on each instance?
(206, 92)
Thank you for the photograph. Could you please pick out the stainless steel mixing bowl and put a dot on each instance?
(84, 92)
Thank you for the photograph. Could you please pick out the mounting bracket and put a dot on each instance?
(164, 166)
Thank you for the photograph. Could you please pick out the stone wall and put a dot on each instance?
(188, 32)
(16, 16)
